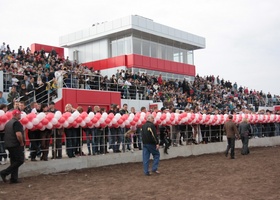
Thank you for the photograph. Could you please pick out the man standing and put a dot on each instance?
(14, 142)
(231, 132)
(150, 146)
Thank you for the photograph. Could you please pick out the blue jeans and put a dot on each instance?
(71, 139)
(116, 137)
(149, 149)
(245, 143)
(231, 146)
(98, 138)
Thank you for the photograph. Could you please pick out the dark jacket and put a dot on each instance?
(10, 137)
(231, 129)
(244, 129)
(149, 135)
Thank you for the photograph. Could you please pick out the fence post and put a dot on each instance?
(54, 143)
(81, 141)
(210, 133)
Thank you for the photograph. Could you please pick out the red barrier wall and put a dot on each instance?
(87, 98)
(143, 62)
(47, 49)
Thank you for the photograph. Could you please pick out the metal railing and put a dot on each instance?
(102, 140)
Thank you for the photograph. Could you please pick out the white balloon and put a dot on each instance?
(57, 115)
(75, 114)
(54, 121)
(23, 115)
(97, 124)
(87, 119)
(101, 120)
(65, 124)
(83, 123)
(2, 112)
(104, 115)
(117, 116)
(91, 115)
(41, 116)
(35, 121)
(114, 121)
(49, 125)
(29, 125)
(70, 119)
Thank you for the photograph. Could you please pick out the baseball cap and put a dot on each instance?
(16, 112)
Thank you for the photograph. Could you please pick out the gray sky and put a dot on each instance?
(242, 36)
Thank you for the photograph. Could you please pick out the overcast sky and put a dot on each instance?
(242, 36)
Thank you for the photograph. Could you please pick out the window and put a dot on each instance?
(136, 46)
(145, 48)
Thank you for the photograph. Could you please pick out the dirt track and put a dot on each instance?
(213, 176)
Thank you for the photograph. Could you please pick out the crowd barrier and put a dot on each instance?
(42, 121)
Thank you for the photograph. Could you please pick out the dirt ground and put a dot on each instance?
(212, 176)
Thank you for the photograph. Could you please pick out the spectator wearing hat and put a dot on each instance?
(14, 142)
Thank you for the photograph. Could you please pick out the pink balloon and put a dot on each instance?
(44, 121)
(24, 121)
(83, 115)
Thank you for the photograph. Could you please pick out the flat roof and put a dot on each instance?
(132, 23)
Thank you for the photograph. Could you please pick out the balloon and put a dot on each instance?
(61, 120)
(24, 121)
(79, 120)
(54, 121)
(83, 124)
(49, 116)
(41, 116)
(57, 115)
(65, 124)
(31, 116)
(49, 126)
(87, 119)
(4, 118)
(94, 120)
(98, 116)
(29, 125)
(110, 116)
(39, 126)
(35, 121)
(45, 121)
(83, 115)
(2, 112)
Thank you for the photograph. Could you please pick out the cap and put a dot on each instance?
(16, 112)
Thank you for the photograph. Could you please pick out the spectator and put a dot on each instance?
(2, 99)
(13, 95)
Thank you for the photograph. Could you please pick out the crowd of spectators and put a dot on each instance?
(32, 78)
(42, 73)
